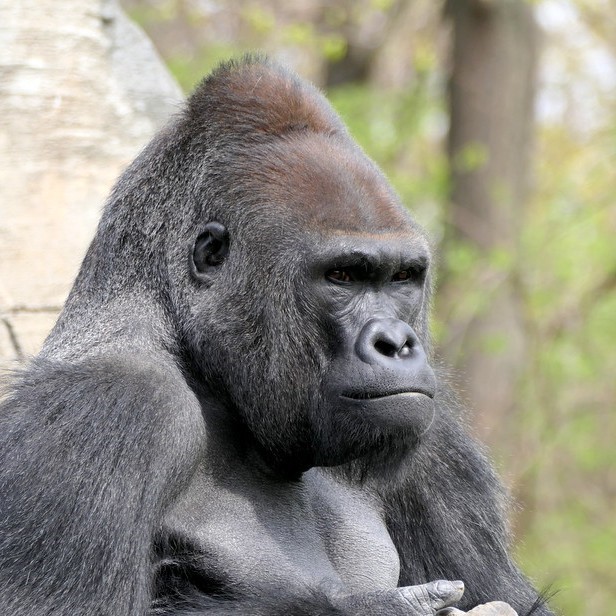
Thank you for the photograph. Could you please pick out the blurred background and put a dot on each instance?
(496, 122)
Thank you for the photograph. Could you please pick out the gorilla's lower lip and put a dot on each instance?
(377, 395)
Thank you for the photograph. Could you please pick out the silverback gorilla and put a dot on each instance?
(235, 413)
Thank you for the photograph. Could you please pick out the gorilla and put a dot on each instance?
(236, 411)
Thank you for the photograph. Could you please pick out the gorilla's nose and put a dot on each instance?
(389, 343)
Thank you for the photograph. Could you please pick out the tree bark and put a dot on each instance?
(492, 84)
(81, 90)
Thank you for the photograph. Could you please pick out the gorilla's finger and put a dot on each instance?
(494, 608)
(434, 595)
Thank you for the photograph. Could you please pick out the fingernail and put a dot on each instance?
(448, 587)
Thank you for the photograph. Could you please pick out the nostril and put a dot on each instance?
(390, 347)
(386, 348)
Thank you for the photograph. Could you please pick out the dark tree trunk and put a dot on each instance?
(491, 107)
(363, 46)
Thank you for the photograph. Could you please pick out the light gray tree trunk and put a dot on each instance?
(81, 91)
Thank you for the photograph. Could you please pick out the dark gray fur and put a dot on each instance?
(165, 453)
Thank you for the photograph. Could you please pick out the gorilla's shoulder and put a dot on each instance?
(74, 384)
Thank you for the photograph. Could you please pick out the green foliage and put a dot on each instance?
(570, 275)
(261, 20)
(470, 158)
(189, 68)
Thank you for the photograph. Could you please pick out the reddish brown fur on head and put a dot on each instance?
(256, 98)
(330, 182)
(278, 137)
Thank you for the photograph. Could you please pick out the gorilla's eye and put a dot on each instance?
(400, 276)
(210, 248)
(339, 275)
(412, 274)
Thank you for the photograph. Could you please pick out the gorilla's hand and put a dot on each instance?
(423, 600)
(494, 608)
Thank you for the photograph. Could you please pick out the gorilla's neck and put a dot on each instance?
(229, 434)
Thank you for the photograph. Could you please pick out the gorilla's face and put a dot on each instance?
(378, 381)
(311, 319)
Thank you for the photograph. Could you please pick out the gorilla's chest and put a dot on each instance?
(317, 533)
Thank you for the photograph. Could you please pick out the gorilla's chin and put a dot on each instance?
(369, 429)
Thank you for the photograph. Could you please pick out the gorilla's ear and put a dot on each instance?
(210, 250)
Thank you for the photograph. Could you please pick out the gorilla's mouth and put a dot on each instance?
(378, 395)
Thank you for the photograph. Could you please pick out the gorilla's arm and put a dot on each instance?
(90, 454)
(423, 600)
(446, 518)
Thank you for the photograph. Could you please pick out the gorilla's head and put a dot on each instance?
(292, 281)
(307, 280)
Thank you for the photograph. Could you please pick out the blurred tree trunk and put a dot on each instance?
(366, 27)
(492, 84)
